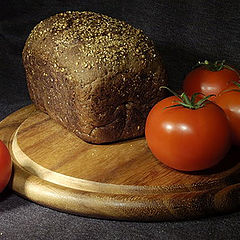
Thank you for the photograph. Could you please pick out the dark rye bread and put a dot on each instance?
(97, 76)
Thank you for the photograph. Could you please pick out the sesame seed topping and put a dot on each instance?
(97, 40)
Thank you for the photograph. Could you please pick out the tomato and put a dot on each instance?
(229, 101)
(187, 139)
(5, 166)
(209, 78)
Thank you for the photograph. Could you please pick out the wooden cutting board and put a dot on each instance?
(123, 180)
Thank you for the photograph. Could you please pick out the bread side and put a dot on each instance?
(97, 76)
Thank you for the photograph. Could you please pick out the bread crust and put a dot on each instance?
(97, 76)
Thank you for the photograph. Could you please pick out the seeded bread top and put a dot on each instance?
(86, 41)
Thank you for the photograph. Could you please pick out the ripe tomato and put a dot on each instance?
(187, 139)
(5, 166)
(209, 78)
(229, 101)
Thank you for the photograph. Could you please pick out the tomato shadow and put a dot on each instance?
(6, 203)
(230, 161)
(9, 200)
(5, 194)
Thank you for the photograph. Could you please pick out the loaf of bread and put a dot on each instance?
(97, 76)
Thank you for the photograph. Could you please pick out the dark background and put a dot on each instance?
(184, 32)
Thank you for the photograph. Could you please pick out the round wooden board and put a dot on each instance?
(123, 180)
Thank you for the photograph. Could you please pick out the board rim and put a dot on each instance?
(143, 207)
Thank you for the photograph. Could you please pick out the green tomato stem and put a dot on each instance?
(187, 102)
(215, 66)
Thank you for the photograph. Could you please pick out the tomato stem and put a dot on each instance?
(187, 102)
(215, 66)
(233, 89)
(237, 84)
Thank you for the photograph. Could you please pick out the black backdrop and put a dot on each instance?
(184, 32)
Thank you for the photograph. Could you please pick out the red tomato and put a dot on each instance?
(207, 81)
(229, 101)
(5, 166)
(187, 139)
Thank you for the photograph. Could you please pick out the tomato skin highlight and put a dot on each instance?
(208, 82)
(230, 102)
(5, 166)
(186, 139)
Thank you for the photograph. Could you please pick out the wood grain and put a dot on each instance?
(121, 181)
